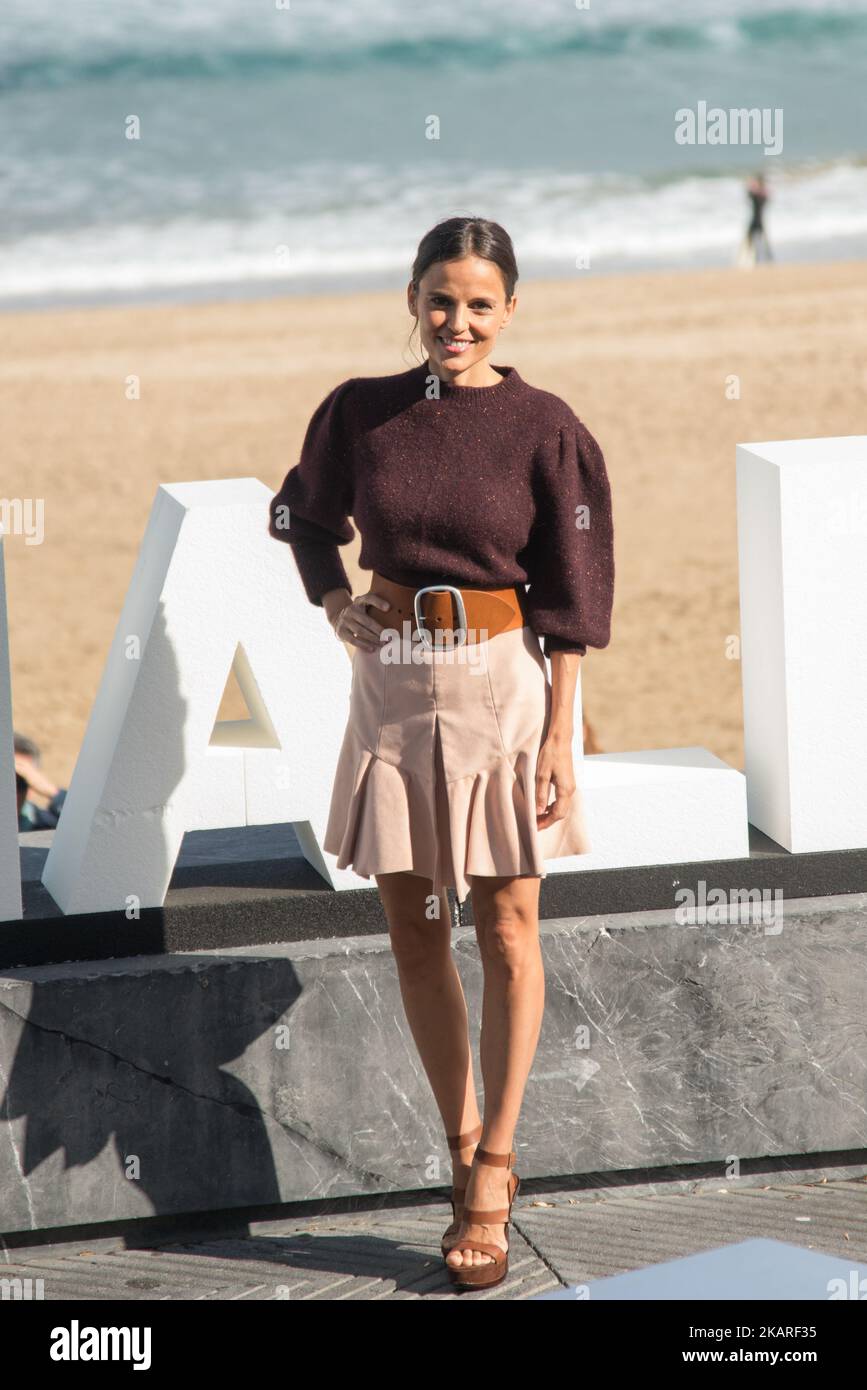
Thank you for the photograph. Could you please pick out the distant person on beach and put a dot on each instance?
(21, 790)
(755, 245)
(31, 781)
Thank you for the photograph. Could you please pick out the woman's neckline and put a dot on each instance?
(473, 394)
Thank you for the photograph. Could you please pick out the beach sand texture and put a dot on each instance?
(227, 390)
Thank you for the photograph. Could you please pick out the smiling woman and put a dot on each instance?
(467, 298)
(467, 483)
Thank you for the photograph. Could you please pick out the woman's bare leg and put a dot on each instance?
(507, 928)
(434, 1004)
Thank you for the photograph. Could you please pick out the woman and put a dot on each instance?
(459, 473)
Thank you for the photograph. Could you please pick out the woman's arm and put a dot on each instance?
(570, 554)
(554, 763)
(571, 572)
(312, 508)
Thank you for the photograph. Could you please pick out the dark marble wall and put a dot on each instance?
(218, 1079)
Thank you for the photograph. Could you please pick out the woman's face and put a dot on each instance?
(461, 307)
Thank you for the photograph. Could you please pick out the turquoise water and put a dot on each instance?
(286, 148)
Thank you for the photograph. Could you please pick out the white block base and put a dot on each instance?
(660, 806)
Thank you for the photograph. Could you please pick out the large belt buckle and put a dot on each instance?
(440, 589)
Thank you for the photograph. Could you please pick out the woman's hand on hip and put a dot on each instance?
(350, 619)
(554, 765)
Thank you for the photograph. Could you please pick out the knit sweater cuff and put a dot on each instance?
(562, 644)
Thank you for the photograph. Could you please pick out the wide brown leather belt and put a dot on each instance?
(486, 612)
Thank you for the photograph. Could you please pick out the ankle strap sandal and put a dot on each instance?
(486, 1276)
(455, 1143)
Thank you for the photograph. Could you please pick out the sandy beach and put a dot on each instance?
(227, 390)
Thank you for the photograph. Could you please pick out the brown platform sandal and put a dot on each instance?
(456, 1142)
(486, 1276)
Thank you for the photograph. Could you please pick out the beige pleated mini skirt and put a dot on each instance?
(436, 773)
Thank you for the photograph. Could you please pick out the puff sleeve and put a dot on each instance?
(311, 509)
(570, 560)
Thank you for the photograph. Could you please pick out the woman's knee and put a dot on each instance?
(507, 933)
(418, 946)
(419, 927)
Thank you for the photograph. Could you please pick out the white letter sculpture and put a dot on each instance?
(802, 545)
(213, 592)
(11, 906)
(210, 589)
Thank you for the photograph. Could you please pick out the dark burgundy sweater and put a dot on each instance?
(481, 487)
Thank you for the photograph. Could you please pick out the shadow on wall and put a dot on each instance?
(101, 1064)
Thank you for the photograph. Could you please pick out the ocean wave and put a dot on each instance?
(485, 37)
(610, 220)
